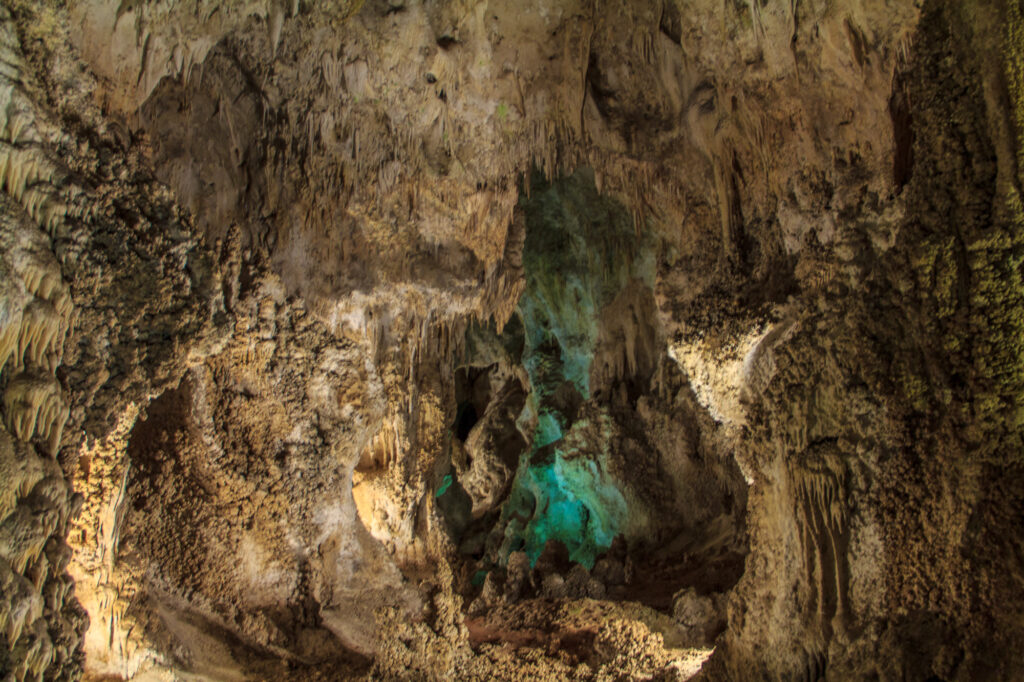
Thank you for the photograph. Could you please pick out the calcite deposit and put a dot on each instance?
(534, 340)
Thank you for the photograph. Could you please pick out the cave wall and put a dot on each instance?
(245, 246)
(879, 396)
(83, 219)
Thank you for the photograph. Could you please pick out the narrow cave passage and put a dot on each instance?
(580, 255)
(575, 440)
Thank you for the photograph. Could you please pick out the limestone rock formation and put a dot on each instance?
(464, 339)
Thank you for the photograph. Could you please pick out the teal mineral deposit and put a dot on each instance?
(580, 253)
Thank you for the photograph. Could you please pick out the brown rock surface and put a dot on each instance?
(459, 339)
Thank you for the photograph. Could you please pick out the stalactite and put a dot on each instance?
(24, 533)
(34, 406)
(9, 335)
(40, 335)
(20, 470)
(759, 365)
(20, 604)
(275, 25)
(819, 482)
(34, 651)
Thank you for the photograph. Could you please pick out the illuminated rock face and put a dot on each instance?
(573, 501)
(553, 439)
(580, 254)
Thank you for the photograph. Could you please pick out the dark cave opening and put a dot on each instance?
(465, 419)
